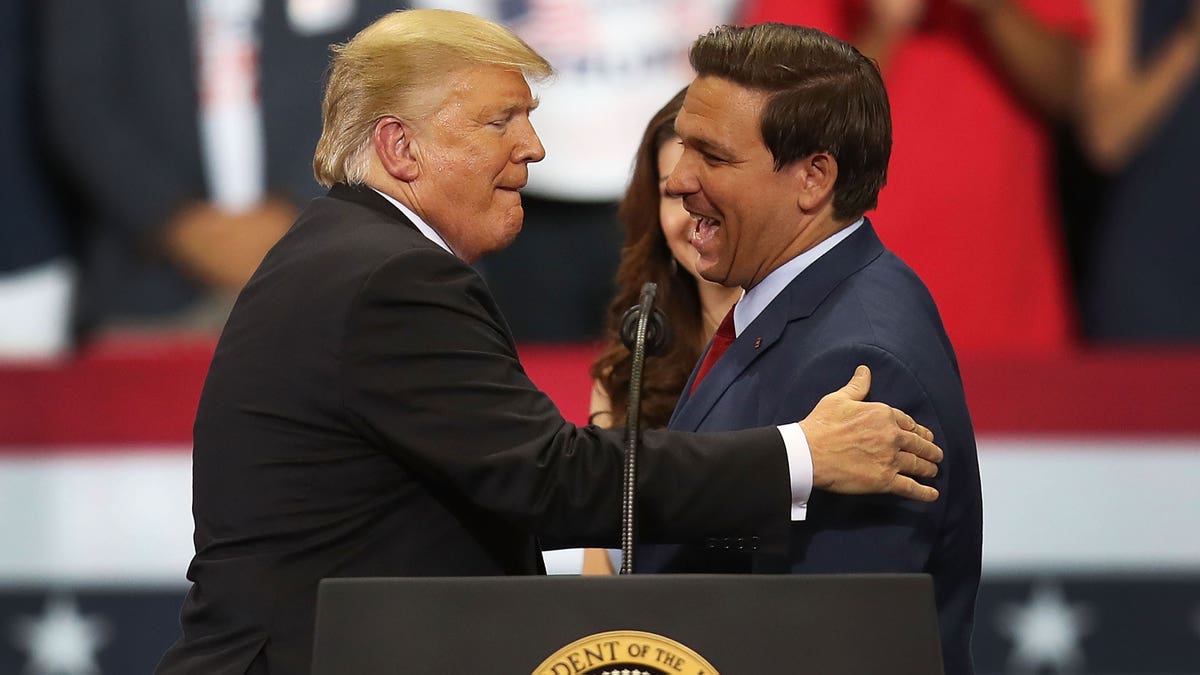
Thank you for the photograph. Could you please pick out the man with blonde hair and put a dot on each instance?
(366, 413)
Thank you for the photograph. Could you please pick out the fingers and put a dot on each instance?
(911, 465)
(927, 450)
(907, 423)
(908, 488)
(859, 384)
(923, 432)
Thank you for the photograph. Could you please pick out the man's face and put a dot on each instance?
(473, 153)
(746, 212)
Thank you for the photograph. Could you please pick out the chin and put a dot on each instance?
(514, 220)
(713, 275)
(507, 237)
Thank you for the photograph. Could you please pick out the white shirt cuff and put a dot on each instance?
(799, 467)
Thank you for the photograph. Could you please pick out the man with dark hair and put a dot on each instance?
(786, 134)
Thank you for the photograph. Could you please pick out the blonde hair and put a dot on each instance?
(392, 66)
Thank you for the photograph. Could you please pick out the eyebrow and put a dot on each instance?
(710, 147)
(515, 108)
(704, 145)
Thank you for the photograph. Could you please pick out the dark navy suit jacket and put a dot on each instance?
(857, 304)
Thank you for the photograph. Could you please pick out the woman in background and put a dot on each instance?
(657, 248)
(1140, 124)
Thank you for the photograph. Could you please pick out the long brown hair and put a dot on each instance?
(646, 257)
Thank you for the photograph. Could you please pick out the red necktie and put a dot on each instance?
(720, 342)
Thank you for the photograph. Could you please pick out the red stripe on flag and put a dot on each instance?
(144, 391)
(130, 390)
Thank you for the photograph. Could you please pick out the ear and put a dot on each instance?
(815, 177)
(393, 143)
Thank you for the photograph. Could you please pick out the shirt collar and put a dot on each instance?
(755, 300)
(424, 228)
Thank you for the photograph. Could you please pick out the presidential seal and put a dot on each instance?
(625, 652)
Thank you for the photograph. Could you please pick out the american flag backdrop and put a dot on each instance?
(1090, 464)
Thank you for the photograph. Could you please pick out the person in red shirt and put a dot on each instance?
(970, 201)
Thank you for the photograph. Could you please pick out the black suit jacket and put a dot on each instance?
(365, 414)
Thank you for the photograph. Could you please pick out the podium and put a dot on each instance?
(651, 625)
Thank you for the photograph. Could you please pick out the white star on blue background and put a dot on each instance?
(1046, 631)
(61, 641)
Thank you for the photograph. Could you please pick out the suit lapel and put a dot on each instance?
(796, 302)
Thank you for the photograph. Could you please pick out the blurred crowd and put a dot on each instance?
(1044, 180)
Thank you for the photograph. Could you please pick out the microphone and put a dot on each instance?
(658, 331)
(644, 330)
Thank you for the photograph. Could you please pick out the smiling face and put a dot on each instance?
(746, 213)
(473, 154)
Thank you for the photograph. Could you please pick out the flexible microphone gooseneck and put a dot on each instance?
(644, 330)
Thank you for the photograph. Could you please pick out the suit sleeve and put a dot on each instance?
(868, 533)
(883, 533)
(432, 377)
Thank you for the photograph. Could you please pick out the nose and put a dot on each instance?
(682, 181)
(529, 146)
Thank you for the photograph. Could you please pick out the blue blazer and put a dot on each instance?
(857, 304)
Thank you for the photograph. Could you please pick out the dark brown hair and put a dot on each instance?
(646, 257)
(825, 96)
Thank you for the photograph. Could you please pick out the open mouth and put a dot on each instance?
(704, 230)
